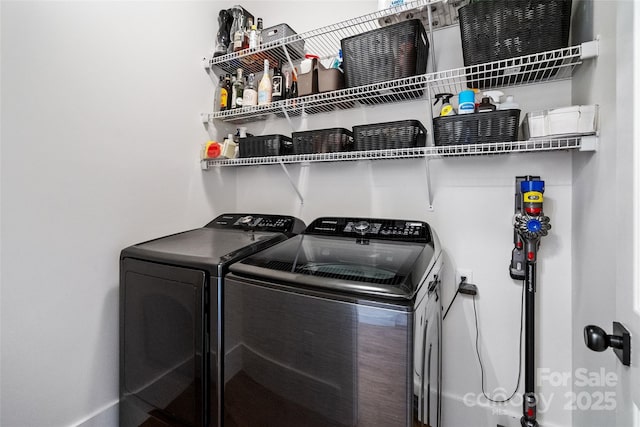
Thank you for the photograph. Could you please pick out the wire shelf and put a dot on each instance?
(520, 71)
(325, 41)
(392, 91)
(537, 145)
(537, 68)
(532, 145)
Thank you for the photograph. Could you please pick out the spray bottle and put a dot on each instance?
(485, 105)
(495, 97)
(228, 148)
(446, 109)
(509, 104)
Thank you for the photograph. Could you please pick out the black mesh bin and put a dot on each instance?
(389, 53)
(322, 141)
(499, 30)
(477, 128)
(264, 146)
(384, 136)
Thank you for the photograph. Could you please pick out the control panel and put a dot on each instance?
(258, 222)
(391, 229)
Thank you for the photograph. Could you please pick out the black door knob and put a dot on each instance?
(598, 340)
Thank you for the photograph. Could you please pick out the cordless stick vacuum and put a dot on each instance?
(530, 224)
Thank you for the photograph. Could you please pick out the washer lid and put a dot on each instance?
(204, 248)
(382, 268)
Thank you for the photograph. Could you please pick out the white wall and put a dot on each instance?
(628, 257)
(602, 203)
(100, 139)
(594, 201)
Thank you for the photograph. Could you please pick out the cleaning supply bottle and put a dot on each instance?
(211, 150)
(446, 109)
(228, 148)
(466, 102)
(495, 97)
(486, 105)
(337, 62)
(509, 104)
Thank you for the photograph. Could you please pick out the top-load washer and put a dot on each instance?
(170, 317)
(337, 327)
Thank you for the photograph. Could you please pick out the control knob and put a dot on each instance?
(246, 220)
(362, 227)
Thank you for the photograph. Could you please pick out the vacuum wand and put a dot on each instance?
(530, 224)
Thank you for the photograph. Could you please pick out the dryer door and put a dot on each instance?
(162, 340)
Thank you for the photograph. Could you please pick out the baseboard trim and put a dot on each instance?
(107, 416)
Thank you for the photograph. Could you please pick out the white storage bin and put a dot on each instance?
(577, 119)
(533, 125)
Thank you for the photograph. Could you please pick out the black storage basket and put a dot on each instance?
(264, 146)
(390, 135)
(496, 30)
(477, 128)
(389, 53)
(322, 141)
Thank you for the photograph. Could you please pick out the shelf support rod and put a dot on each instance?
(432, 48)
(286, 115)
(293, 184)
(293, 73)
(286, 53)
(427, 157)
(428, 172)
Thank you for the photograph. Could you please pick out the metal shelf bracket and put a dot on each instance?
(429, 192)
(590, 49)
(589, 143)
(206, 63)
(427, 157)
(293, 184)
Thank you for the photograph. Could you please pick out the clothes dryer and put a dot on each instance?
(171, 311)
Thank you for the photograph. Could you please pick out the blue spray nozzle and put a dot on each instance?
(337, 62)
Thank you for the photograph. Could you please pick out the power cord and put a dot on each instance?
(464, 287)
(475, 313)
